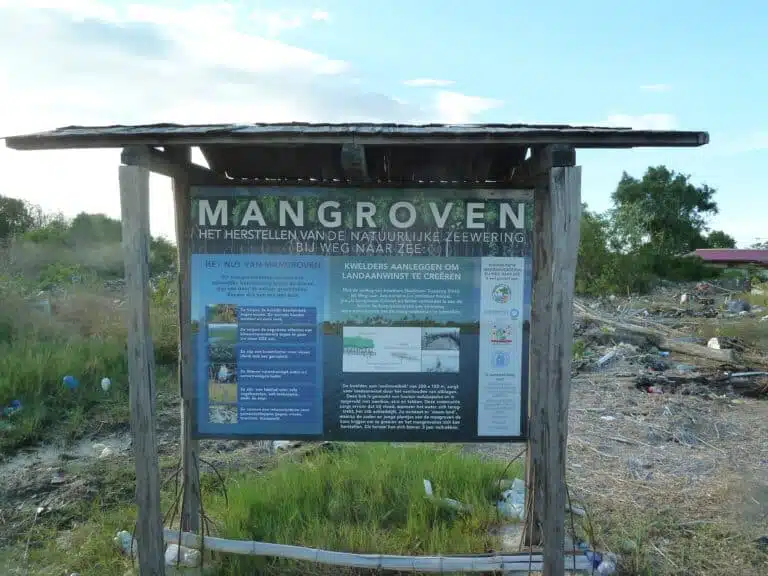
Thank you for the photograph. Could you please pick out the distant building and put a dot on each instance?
(733, 256)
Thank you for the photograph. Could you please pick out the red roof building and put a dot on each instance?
(733, 256)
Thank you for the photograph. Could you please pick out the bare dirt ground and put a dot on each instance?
(676, 482)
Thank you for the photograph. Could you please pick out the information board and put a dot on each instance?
(361, 314)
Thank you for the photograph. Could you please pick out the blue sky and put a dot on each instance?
(682, 64)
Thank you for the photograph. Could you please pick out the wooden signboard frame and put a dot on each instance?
(550, 169)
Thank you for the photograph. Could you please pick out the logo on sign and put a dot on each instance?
(501, 293)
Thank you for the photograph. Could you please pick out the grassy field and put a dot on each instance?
(357, 499)
(368, 498)
(85, 338)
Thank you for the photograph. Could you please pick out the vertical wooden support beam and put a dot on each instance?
(190, 449)
(557, 229)
(134, 203)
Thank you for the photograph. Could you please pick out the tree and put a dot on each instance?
(15, 217)
(719, 239)
(594, 254)
(663, 212)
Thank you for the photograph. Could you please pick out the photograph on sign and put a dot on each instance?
(361, 315)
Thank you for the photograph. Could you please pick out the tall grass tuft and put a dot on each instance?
(367, 498)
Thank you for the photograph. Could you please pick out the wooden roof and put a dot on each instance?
(393, 152)
(376, 134)
(733, 255)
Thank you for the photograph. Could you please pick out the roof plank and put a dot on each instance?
(119, 136)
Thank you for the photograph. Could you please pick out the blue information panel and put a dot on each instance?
(361, 315)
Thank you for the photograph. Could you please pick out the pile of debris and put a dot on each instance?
(604, 340)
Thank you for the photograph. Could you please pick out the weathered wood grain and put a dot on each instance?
(190, 448)
(556, 240)
(134, 202)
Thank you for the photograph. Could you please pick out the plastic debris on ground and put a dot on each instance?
(714, 344)
(607, 358)
(12, 408)
(447, 502)
(106, 453)
(71, 382)
(279, 445)
(182, 556)
(617, 352)
(603, 564)
(512, 503)
(106, 383)
(125, 542)
(737, 306)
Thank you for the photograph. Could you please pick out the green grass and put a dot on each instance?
(661, 542)
(357, 498)
(86, 339)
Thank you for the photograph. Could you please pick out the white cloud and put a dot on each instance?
(428, 83)
(655, 87)
(276, 23)
(91, 63)
(643, 121)
(457, 108)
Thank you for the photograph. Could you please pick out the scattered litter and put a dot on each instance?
(176, 555)
(447, 502)
(607, 358)
(683, 298)
(608, 418)
(603, 564)
(106, 383)
(762, 542)
(512, 503)
(608, 565)
(576, 510)
(98, 448)
(736, 306)
(664, 353)
(71, 382)
(12, 408)
(58, 478)
(126, 543)
(279, 445)
(106, 453)
(714, 344)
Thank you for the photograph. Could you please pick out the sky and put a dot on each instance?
(683, 64)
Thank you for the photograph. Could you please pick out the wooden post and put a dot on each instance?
(190, 449)
(556, 241)
(134, 202)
